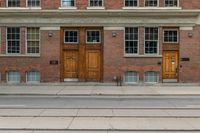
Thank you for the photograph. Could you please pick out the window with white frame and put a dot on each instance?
(33, 40)
(33, 76)
(96, 3)
(93, 36)
(151, 3)
(13, 40)
(131, 40)
(13, 3)
(71, 36)
(171, 36)
(151, 40)
(33, 3)
(67, 3)
(131, 77)
(13, 77)
(171, 3)
(131, 3)
(151, 77)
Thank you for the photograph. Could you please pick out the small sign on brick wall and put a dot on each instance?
(53, 62)
(185, 59)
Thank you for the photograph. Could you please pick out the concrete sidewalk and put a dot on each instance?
(100, 90)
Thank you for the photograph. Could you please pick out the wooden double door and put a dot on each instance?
(82, 54)
(170, 64)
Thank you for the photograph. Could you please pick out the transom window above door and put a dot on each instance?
(13, 3)
(131, 3)
(171, 3)
(93, 36)
(67, 3)
(71, 36)
(151, 3)
(96, 3)
(170, 36)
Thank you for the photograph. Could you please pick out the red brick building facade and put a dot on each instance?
(140, 41)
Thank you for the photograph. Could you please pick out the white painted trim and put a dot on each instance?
(151, 8)
(113, 28)
(96, 8)
(143, 56)
(138, 46)
(158, 45)
(19, 55)
(49, 28)
(71, 79)
(68, 8)
(186, 28)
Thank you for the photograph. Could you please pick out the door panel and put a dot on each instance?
(70, 64)
(93, 64)
(170, 64)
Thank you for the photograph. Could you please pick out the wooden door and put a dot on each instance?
(70, 64)
(93, 65)
(170, 64)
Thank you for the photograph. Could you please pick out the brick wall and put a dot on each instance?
(50, 50)
(190, 48)
(115, 64)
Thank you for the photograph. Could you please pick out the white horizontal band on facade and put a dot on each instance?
(113, 28)
(49, 28)
(186, 28)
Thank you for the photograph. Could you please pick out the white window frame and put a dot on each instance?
(26, 43)
(157, 77)
(131, 82)
(34, 7)
(131, 6)
(78, 35)
(32, 82)
(178, 5)
(158, 4)
(171, 30)
(13, 82)
(138, 47)
(19, 41)
(13, 6)
(94, 42)
(158, 44)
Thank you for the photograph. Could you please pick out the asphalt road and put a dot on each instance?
(100, 102)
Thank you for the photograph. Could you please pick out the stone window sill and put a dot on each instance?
(96, 8)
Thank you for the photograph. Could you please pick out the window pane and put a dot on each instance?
(171, 36)
(67, 3)
(131, 40)
(131, 3)
(33, 76)
(96, 3)
(13, 40)
(151, 77)
(131, 77)
(33, 3)
(171, 3)
(14, 76)
(151, 40)
(33, 40)
(151, 3)
(13, 3)
(71, 36)
(93, 37)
